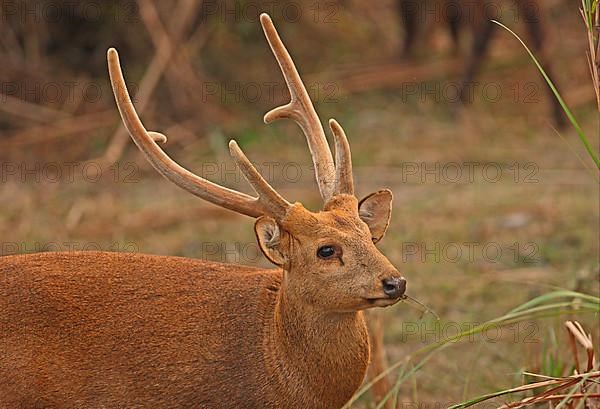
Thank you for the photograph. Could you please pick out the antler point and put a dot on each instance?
(234, 148)
(158, 137)
(112, 53)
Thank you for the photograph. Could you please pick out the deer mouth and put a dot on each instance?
(382, 301)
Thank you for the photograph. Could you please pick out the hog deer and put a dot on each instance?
(477, 16)
(114, 330)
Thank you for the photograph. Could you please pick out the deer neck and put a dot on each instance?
(321, 356)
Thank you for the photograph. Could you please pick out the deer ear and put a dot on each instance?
(376, 210)
(269, 239)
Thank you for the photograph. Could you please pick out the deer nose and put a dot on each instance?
(394, 287)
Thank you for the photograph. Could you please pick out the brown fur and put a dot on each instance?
(128, 330)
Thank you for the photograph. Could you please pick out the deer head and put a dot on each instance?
(329, 257)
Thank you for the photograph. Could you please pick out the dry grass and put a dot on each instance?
(581, 389)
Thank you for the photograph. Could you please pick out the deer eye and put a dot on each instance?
(326, 252)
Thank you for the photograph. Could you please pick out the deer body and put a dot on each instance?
(113, 330)
(128, 330)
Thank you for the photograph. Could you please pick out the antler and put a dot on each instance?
(343, 160)
(301, 110)
(268, 201)
(331, 179)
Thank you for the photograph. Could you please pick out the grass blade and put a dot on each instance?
(564, 106)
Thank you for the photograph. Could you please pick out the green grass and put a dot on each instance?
(554, 304)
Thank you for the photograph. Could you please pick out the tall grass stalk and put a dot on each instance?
(565, 108)
(590, 12)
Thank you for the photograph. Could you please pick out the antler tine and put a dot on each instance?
(219, 195)
(301, 110)
(343, 160)
(277, 205)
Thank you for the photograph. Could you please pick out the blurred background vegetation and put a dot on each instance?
(524, 214)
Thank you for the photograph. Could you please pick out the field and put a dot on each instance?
(492, 207)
